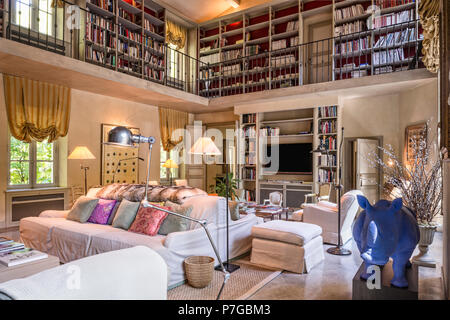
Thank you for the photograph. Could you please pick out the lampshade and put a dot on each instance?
(205, 146)
(81, 153)
(120, 136)
(170, 164)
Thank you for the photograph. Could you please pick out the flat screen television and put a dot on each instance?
(294, 158)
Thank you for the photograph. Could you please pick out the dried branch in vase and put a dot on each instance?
(418, 181)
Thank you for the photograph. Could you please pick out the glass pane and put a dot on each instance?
(19, 150)
(19, 172)
(45, 17)
(23, 13)
(44, 172)
(162, 172)
(44, 151)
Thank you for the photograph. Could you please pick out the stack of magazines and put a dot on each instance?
(14, 253)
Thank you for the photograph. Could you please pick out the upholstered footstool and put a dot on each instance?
(287, 245)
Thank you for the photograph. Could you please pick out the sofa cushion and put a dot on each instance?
(298, 233)
(102, 211)
(82, 209)
(126, 213)
(173, 223)
(113, 213)
(148, 220)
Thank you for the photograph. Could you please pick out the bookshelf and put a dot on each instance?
(361, 48)
(126, 36)
(328, 133)
(248, 156)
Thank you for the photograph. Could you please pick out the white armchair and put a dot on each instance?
(324, 214)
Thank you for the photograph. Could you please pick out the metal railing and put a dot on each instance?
(383, 50)
(97, 36)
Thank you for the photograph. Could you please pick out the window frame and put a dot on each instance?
(32, 167)
(34, 16)
(166, 178)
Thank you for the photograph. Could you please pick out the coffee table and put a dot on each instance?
(270, 212)
(27, 269)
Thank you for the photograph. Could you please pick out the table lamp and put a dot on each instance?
(205, 146)
(82, 153)
(170, 164)
(123, 137)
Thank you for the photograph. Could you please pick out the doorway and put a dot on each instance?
(319, 52)
(359, 174)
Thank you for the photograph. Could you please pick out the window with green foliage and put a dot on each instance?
(32, 164)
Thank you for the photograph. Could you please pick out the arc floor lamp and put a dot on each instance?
(123, 137)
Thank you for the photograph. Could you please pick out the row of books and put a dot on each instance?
(231, 69)
(14, 253)
(327, 160)
(325, 176)
(151, 73)
(128, 66)
(252, 50)
(291, 26)
(99, 21)
(155, 45)
(294, 41)
(249, 118)
(283, 60)
(250, 195)
(100, 56)
(348, 12)
(383, 4)
(250, 159)
(108, 5)
(359, 73)
(394, 18)
(100, 36)
(353, 45)
(388, 56)
(212, 58)
(398, 37)
(279, 44)
(231, 54)
(329, 142)
(269, 132)
(249, 173)
(152, 59)
(128, 49)
(135, 36)
(128, 16)
(349, 28)
(249, 132)
(327, 112)
(388, 69)
(328, 126)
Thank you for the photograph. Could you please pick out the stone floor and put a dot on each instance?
(332, 279)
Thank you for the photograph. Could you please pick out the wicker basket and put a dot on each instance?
(199, 270)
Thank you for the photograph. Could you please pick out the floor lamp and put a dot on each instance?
(82, 153)
(338, 250)
(123, 137)
(205, 146)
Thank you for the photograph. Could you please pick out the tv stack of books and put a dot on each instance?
(14, 253)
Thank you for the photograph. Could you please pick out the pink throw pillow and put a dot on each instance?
(148, 220)
(102, 211)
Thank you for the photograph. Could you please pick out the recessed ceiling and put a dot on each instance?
(204, 10)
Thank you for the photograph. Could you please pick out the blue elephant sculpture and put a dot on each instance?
(386, 230)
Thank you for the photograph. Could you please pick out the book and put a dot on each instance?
(4, 240)
(20, 257)
(4, 248)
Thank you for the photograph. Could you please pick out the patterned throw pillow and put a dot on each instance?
(102, 211)
(148, 221)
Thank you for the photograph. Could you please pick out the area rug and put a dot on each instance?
(242, 284)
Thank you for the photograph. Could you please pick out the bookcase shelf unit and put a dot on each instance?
(361, 48)
(240, 49)
(127, 36)
(2, 17)
(247, 162)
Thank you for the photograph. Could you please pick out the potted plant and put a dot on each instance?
(220, 187)
(419, 182)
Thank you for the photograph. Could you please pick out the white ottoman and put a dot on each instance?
(287, 245)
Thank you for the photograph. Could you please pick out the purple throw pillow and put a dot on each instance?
(102, 211)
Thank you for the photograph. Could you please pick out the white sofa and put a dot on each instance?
(137, 273)
(70, 240)
(324, 214)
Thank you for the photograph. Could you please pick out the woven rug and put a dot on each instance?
(242, 284)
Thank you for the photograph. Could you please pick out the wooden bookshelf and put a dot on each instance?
(248, 156)
(360, 54)
(127, 36)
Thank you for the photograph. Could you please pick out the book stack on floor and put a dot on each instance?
(14, 253)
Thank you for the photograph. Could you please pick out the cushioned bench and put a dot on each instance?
(287, 245)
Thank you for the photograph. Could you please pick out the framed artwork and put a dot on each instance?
(413, 135)
(119, 164)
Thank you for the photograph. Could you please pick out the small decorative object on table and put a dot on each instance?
(199, 270)
(386, 230)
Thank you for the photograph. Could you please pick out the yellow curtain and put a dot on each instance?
(60, 3)
(429, 18)
(169, 121)
(175, 34)
(36, 110)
